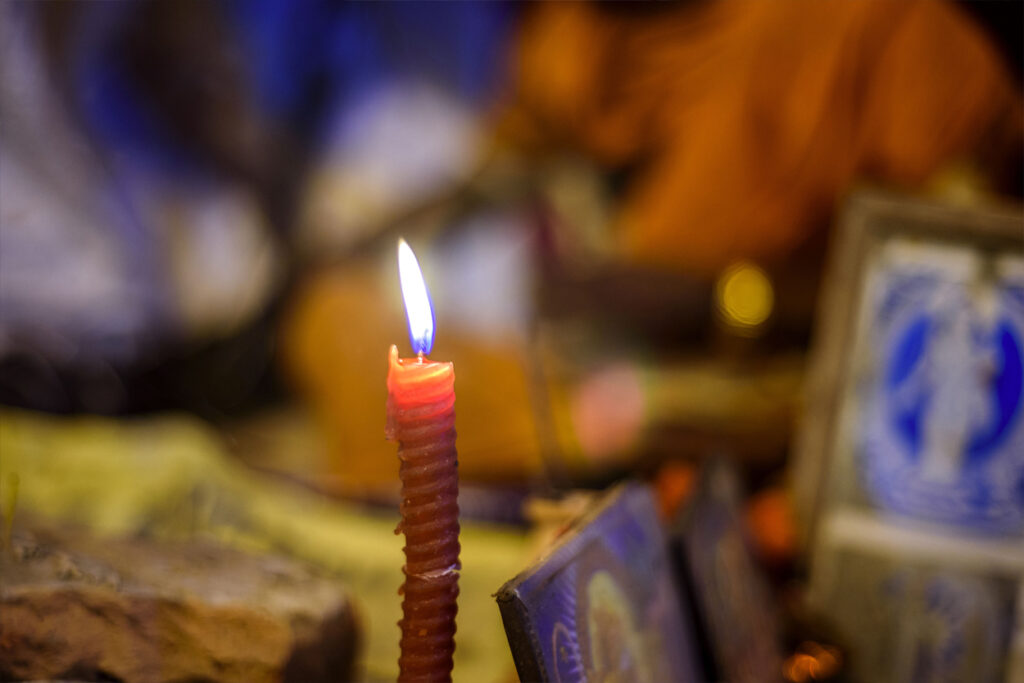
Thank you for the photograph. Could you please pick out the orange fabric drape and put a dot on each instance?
(746, 120)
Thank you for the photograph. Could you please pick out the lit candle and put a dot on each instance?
(421, 417)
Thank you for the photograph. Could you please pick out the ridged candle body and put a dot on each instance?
(421, 417)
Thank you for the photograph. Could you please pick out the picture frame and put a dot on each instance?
(737, 622)
(603, 603)
(908, 470)
(941, 264)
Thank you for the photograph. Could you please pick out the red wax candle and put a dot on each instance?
(421, 417)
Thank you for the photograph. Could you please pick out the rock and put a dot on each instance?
(78, 607)
(170, 477)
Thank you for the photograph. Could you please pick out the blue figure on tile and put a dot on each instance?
(944, 434)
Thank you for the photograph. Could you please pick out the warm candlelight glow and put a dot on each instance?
(417, 300)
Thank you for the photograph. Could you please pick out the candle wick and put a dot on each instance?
(419, 356)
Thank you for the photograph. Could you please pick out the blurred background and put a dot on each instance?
(622, 211)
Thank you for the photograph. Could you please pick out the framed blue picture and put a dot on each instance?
(909, 471)
(603, 604)
(734, 610)
(915, 409)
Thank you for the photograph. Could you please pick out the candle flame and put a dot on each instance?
(418, 309)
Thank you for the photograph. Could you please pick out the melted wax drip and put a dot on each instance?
(424, 426)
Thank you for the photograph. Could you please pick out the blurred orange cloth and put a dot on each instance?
(747, 120)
